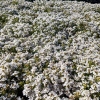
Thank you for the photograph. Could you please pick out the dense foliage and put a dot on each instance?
(91, 1)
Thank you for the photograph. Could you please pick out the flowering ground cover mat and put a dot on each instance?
(49, 50)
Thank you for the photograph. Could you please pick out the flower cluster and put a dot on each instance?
(49, 50)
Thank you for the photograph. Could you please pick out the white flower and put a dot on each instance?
(85, 98)
(18, 98)
(26, 89)
(2, 72)
(86, 93)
